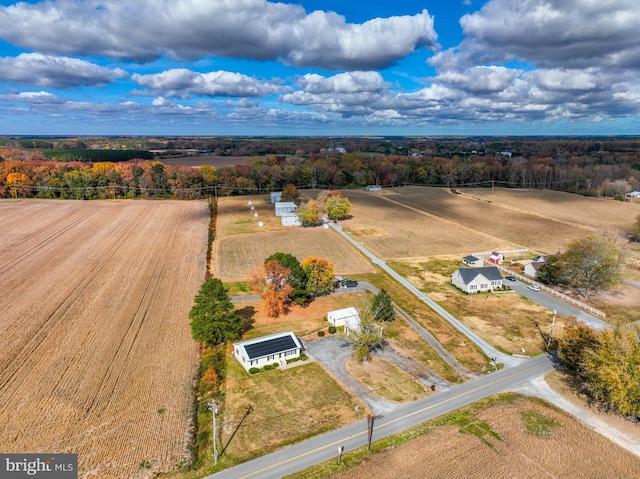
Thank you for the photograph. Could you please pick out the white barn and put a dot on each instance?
(275, 348)
(283, 207)
(340, 317)
(475, 280)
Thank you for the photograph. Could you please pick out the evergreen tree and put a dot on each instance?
(382, 307)
(213, 318)
(549, 272)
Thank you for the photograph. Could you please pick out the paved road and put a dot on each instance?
(325, 447)
(486, 348)
(553, 302)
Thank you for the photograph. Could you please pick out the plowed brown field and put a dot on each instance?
(426, 222)
(568, 450)
(96, 355)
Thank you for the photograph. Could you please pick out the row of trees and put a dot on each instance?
(75, 180)
(282, 281)
(589, 264)
(593, 173)
(607, 362)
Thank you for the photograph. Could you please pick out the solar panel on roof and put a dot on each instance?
(270, 346)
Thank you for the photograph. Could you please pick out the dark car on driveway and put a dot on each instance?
(349, 283)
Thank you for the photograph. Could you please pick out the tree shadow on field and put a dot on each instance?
(247, 314)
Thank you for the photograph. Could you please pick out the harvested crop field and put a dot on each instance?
(97, 356)
(419, 221)
(242, 245)
(567, 207)
(524, 439)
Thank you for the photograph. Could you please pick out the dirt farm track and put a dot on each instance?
(96, 355)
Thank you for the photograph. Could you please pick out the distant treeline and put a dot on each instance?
(376, 145)
(590, 170)
(115, 156)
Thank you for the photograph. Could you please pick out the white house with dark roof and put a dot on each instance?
(472, 261)
(275, 348)
(476, 280)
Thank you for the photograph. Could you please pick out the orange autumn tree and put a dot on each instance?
(319, 275)
(271, 281)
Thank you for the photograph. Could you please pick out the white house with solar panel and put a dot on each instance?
(275, 348)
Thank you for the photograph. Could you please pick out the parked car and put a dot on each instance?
(349, 283)
(534, 287)
(510, 278)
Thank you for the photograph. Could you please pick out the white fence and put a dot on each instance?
(546, 289)
(510, 251)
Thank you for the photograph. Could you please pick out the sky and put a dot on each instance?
(312, 67)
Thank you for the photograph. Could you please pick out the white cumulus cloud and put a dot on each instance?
(556, 33)
(182, 82)
(187, 29)
(55, 71)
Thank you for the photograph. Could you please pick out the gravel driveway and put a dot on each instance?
(332, 352)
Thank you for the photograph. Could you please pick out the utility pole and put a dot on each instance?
(370, 418)
(213, 407)
(553, 322)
